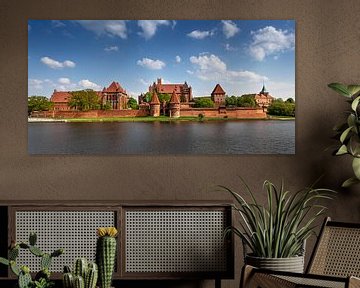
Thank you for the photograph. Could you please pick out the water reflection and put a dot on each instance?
(238, 137)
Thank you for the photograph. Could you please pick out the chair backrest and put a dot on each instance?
(337, 251)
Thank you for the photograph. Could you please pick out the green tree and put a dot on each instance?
(290, 100)
(164, 97)
(132, 103)
(246, 100)
(203, 103)
(280, 108)
(147, 97)
(84, 100)
(231, 101)
(106, 106)
(39, 103)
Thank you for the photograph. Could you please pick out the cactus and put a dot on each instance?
(24, 280)
(80, 267)
(42, 278)
(105, 254)
(79, 282)
(91, 276)
(68, 280)
(36, 251)
(45, 261)
(89, 272)
(13, 253)
(32, 238)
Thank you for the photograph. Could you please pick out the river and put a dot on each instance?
(158, 138)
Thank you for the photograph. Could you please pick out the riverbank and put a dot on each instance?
(153, 119)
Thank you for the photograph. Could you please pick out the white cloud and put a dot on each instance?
(229, 28)
(69, 64)
(35, 84)
(64, 81)
(112, 28)
(228, 47)
(270, 41)
(209, 67)
(29, 27)
(151, 64)
(149, 27)
(190, 72)
(54, 64)
(57, 24)
(87, 84)
(197, 34)
(111, 48)
(177, 59)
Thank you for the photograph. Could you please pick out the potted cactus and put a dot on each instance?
(106, 254)
(42, 278)
(85, 275)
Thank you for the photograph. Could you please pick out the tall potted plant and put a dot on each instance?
(275, 233)
(349, 131)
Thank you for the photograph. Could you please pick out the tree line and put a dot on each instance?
(88, 99)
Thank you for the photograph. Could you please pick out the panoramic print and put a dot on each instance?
(161, 87)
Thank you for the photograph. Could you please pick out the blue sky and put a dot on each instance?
(238, 54)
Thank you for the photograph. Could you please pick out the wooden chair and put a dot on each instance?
(334, 263)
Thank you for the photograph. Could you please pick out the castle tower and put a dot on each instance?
(174, 105)
(155, 105)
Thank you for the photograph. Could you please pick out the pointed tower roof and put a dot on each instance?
(154, 99)
(263, 90)
(218, 90)
(174, 98)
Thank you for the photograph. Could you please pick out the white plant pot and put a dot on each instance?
(291, 264)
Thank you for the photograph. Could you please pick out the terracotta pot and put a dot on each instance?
(291, 264)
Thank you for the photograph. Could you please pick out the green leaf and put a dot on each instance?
(351, 119)
(342, 150)
(341, 89)
(349, 182)
(345, 134)
(354, 146)
(355, 103)
(356, 167)
(353, 89)
(4, 261)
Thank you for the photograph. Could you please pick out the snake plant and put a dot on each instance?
(279, 228)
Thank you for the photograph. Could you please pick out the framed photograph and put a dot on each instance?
(135, 87)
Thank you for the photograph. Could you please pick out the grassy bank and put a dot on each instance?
(168, 119)
(275, 117)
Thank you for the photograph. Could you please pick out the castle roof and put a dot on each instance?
(263, 96)
(60, 96)
(114, 87)
(218, 90)
(174, 98)
(154, 99)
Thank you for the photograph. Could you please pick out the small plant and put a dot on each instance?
(201, 117)
(105, 254)
(279, 229)
(349, 132)
(42, 278)
(85, 275)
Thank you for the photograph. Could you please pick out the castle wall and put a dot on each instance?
(91, 114)
(256, 113)
(239, 112)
